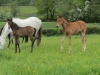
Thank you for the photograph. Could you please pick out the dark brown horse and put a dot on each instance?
(21, 31)
(10, 37)
(70, 28)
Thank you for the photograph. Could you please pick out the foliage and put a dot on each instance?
(4, 15)
(53, 32)
(14, 9)
(21, 11)
(46, 7)
(49, 9)
(20, 2)
(93, 14)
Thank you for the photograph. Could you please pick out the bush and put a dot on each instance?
(93, 30)
(52, 32)
(56, 31)
(4, 16)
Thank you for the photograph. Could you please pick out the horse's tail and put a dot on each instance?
(39, 36)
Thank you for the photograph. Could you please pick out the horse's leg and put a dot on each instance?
(22, 39)
(15, 45)
(33, 40)
(62, 42)
(18, 42)
(84, 44)
(10, 37)
(9, 40)
(83, 36)
(69, 42)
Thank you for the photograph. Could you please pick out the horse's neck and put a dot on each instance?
(65, 24)
(15, 27)
(14, 30)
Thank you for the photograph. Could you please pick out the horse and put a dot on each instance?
(70, 28)
(21, 31)
(31, 21)
(10, 36)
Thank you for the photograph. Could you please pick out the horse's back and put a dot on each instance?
(31, 21)
(77, 26)
(36, 21)
(82, 25)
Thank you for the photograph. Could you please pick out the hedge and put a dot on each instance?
(57, 31)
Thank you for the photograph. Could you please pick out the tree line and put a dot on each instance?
(19, 2)
(87, 10)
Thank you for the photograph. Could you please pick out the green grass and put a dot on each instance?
(47, 59)
(2, 24)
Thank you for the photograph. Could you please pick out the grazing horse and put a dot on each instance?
(31, 21)
(21, 31)
(10, 37)
(70, 28)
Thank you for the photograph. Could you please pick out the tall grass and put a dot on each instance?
(47, 59)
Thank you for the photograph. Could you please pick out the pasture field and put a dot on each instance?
(48, 60)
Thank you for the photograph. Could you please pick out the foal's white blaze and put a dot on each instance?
(31, 21)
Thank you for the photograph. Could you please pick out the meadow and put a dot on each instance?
(48, 60)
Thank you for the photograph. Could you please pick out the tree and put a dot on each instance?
(94, 11)
(46, 7)
(72, 9)
(14, 9)
(3, 2)
(87, 10)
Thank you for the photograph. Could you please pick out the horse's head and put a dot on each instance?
(59, 21)
(2, 43)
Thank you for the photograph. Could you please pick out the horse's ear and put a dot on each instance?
(9, 19)
(59, 16)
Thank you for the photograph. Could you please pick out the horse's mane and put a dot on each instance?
(15, 26)
(64, 18)
(1, 30)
